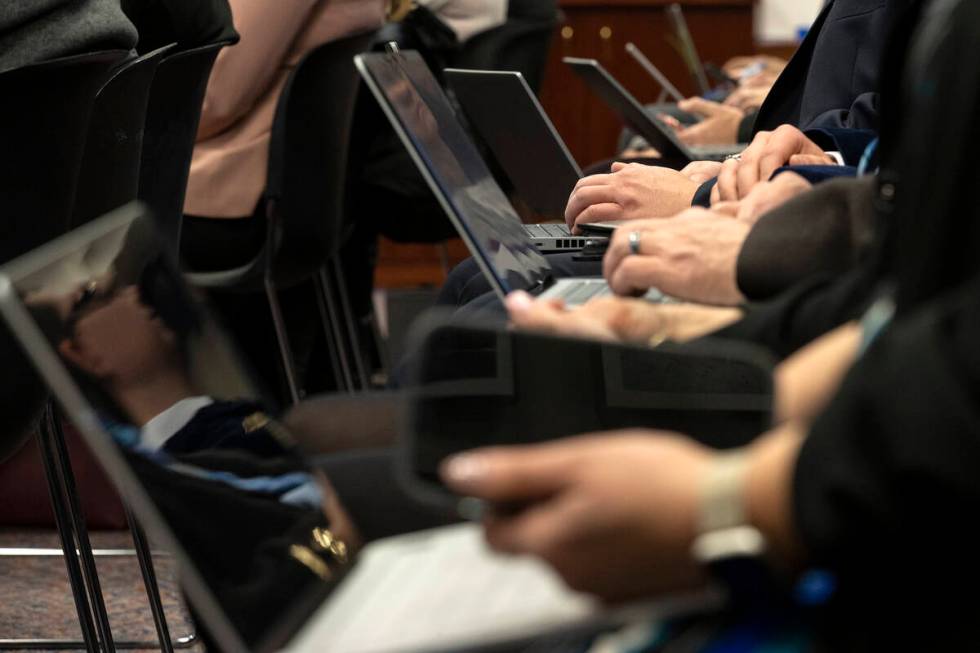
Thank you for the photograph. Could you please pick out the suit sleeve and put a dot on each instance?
(886, 489)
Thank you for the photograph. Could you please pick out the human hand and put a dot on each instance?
(692, 256)
(748, 98)
(701, 171)
(614, 515)
(630, 192)
(719, 123)
(768, 152)
(767, 196)
(736, 66)
(619, 319)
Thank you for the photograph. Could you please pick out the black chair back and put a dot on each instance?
(518, 44)
(109, 175)
(308, 159)
(44, 116)
(173, 114)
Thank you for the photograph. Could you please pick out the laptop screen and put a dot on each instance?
(420, 111)
(505, 112)
(629, 110)
(169, 410)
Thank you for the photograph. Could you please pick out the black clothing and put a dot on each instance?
(188, 23)
(832, 80)
(823, 232)
(214, 244)
(886, 486)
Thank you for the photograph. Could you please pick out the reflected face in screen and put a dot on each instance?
(174, 401)
(122, 342)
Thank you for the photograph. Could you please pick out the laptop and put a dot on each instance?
(508, 117)
(423, 118)
(103, 316)
(689, 51)
(632, 113)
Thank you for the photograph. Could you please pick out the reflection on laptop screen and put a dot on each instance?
(477, 204)
(171, 414)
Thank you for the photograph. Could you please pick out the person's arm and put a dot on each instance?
(821, 232)
(886, 488)
(591, 508)
(862, 114)
(807, 381)
(242, 73)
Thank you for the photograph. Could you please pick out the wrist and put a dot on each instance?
(768, 493)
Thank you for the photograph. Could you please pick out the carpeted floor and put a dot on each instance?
(36, 600)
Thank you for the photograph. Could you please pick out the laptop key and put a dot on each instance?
(583, 292)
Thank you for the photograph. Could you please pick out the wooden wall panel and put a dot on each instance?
(600, 29)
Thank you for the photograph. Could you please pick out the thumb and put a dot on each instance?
(617, 166)
(699, 106)
(505, 474)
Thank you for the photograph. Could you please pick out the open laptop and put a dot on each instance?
(423, 118)
(511, 121)
(689, 51)
(139, 367)
(632, 113)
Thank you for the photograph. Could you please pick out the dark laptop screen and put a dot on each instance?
(171, 413)
(629, 110)
(459, 176)
(504, 111)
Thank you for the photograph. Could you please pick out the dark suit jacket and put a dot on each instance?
(832, 80)
(825, 231)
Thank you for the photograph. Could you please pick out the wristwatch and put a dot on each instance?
(727, 544)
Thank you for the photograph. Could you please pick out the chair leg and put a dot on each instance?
(59, 455)
(83, 575)
(353, 335)
(145, 558)
(75, 579)
(333, 331)
(282, 339)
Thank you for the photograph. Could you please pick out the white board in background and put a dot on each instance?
(779, 21)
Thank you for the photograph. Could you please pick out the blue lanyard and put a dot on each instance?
(869, 153)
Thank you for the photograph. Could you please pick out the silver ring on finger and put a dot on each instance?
(634, 240)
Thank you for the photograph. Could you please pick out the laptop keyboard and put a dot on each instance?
(548, 230)
(582, 291)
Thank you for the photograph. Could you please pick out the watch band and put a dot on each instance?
(724, 530)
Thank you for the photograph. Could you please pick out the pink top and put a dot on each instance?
(228, 171)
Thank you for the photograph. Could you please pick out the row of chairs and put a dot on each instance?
(86, 134)
(80, 136)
